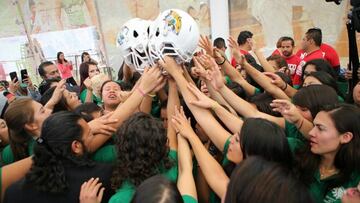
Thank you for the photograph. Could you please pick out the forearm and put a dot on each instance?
(146, 104)
(264, 63)
(203, 116)
(217, 97)
(89, 95)
(265, 82)
(213, 172)
(173, 101)
(185, 183)
(248, 88)
(231, 121)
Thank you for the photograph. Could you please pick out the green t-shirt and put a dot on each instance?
(106, 154)
(8, 156)
(189, 199)
(227, 80)
(318, 189)
(126, 192)
(292, 131)
(95, 99)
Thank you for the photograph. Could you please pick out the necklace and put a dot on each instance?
(324, 173)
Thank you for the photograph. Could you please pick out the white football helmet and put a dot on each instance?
(133, 41)
(173, 33)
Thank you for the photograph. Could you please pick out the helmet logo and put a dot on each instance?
(172, 23)
(122, 35)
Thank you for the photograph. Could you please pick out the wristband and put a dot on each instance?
(283, 89)
(221, 62)
(151, 95)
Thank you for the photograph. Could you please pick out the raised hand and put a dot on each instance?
(276, 80)
(91, 191)
(199, 69)
(14, 86)
(181, 124)
(235, 50)
(150, 79)
(88, 84)
(170, 65)
(217, 79)
(202, 100)
(287, 110)
(206, 44)
(102, 125)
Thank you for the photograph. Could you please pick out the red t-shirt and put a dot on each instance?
(329, 54)
(293, 62)
(243, 52)
(304, 57)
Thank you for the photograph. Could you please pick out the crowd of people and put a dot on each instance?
(187, 127)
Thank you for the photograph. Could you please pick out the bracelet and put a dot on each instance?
(221, 62)
(283, 89)
(151, 95)
(141, 91)
(214, 106)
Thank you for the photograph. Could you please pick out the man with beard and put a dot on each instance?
(287, 46)
(60, 164)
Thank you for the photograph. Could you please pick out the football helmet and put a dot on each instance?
(173, 33)
(133, 40)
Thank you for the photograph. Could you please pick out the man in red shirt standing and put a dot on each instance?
(287, 46)
(311, 50)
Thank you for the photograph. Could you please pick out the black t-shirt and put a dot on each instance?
(19, 192)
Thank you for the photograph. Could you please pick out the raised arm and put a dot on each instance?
(173, 101)
(259, 77)
(185, 183)
(213, 172)
(212, 128)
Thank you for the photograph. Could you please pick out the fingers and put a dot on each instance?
(100, 195)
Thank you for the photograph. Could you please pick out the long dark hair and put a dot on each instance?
(157, 189)
(314, 97)
(264, 138)
(142, 150)
(320, 65)
(346, 118)
(47, 174)
(326, 79)
(58, 57)
(84, 73)
(19, 113)
(259, 180)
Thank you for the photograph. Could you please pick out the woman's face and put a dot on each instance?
(110, 94)
(356, 93)
(87, 136)
(4, 133)
(324, 137)
(61, 57)
(93, 70)
(40, 114)
(86, 58)
(204, 88)
(309, 69)
(72, 100)
(310, 80)
(234, 153)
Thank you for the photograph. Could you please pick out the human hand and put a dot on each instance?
(151, 78)
(88, 84)
(14, 86)
(91, 192)
(202, 101)
(181, 124)
(102, 125)
(287, 110)
(206, 44)
(276, 80)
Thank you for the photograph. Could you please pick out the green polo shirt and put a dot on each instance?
(189, 199)
(95, 99)
(127, 190)
(105, 154)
